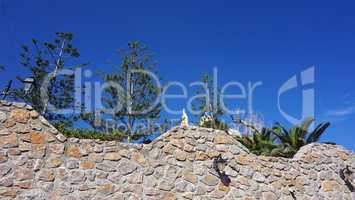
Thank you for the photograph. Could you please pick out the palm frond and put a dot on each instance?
(315, 135)
(307, 123)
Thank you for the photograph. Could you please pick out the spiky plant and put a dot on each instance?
(211, 122)
(279, 141)
(296, 137)
(259, 143)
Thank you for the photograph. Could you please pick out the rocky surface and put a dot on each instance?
(37, 162)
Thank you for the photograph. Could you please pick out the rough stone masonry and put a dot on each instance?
(38, 162)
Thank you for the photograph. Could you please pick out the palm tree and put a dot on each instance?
(296, 137)
(259, 143)
(281, 142)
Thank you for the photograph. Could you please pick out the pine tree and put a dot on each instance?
(44, 60)
(139, 95)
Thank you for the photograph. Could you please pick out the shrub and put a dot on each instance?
(211, 122)
(281, 142)
(260, 143)
(82, 133)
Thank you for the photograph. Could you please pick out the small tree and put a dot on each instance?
(44, 60)
(208, 105)
(137, 94)
(4, 93)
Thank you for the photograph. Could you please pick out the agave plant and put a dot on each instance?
(215, 124)
(293, 139)
(211, 121)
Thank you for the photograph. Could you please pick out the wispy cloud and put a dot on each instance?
(346, 110)
(342, 112)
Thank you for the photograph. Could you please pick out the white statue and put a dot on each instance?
(184, 119)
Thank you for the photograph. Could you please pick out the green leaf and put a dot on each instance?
(307, 123)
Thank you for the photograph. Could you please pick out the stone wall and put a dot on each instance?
(37, 162)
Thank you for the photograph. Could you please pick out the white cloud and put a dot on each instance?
(347, 108)
(342, 112)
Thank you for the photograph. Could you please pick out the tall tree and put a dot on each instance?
(44, 60)
(138, 95)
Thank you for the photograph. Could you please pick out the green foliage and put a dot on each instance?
(137, 94)
(260, 143)
(281, 142)
(296, 137)
(213, 123)
(208, 99)
(208, 105)
(89, 133)
(44, 60)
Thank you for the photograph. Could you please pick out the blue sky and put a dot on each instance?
(268, 41)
